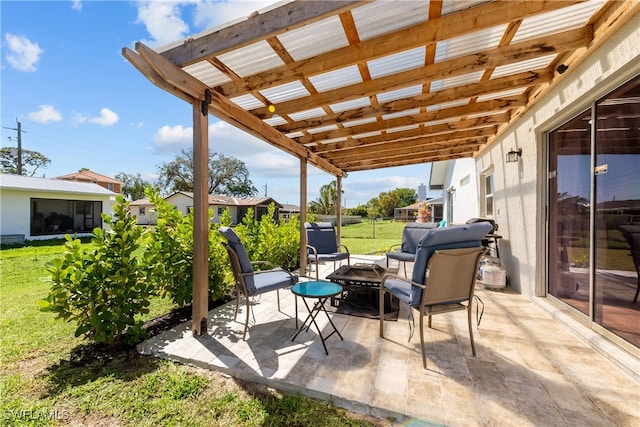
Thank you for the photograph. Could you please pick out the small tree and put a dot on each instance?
(31, 161)
(103, 290)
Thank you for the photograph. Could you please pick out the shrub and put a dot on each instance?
(105, 288)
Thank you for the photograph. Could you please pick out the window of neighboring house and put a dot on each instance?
(220, 211)
(486, 180)
(142, 211)
(110, 186)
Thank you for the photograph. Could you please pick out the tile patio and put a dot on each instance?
(530, 370)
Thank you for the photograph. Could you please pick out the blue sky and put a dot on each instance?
(81, 104)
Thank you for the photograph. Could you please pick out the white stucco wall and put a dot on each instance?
(520, 188)
(181, 202)
(462, 177)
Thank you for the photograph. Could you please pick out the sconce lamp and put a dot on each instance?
(514, 155)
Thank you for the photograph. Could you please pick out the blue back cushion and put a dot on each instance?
(322, 236)
(456, 236)
(412, 233)
(234, 243)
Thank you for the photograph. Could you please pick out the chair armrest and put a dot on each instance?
(262, 262)
(313, 249)
(404, 279)
(394, 248)
(345, 248)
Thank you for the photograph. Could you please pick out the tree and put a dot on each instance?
(133, 186)
(326, 203)
(407, 196)
(227, 175)
(31, 161)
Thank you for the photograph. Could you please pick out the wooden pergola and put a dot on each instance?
(359, 85)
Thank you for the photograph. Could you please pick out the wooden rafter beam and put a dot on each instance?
(441, 129)
(411, 143)
(503, 55)
(407, 160)
(515, 81)
(227, 110)
(493, 105)
(455, 24)
(255, 28)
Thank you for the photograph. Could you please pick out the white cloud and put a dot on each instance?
(22, 53)
(162, 20)
(172, 139)
(107, 118)
(46, 113)
(76, 5)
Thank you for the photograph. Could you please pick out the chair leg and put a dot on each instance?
(382, 294)
(246, 323)
(296, 305)
(404, 265)
(235, 316)
(473, 346)
(278, 294)
(424, 356)
(317, 268)
(635, 299)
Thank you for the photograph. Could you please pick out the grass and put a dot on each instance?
(48, 377)
(370, 237)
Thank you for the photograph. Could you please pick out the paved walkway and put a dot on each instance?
(529, 371)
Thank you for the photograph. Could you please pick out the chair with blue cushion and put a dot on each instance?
(322, 244)
(249, 282)
(406, 251)
(444, 273)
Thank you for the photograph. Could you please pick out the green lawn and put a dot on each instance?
(371, 236)
(48, 377)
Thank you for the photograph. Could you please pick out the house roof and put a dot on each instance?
(140, 202)
(216, 199)
(28, 183)
(354, 85)
(88, 175)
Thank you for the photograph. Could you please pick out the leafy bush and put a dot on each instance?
(105, 288)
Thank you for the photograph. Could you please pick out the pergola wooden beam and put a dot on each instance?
(453, 25)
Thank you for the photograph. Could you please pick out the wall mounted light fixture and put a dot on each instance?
(514, 155)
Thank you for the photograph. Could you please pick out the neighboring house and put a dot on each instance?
(238, 207)
(406, 214)
(144, 210)
(42, 208)
(288, 211)
(85, 175)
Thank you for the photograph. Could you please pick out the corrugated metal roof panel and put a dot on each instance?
(252, 59)
(469, 43)
(275, 121)
(377, 18)
(350, 105)
(551, 22)
(285, 92)
(401, 114)
(248, 102)
(302, 43)
(401, 128)
(207, 73)
(405, 92)
(336, 79)
(502, 94)
(450, 6)
(519, 67)
(323, 129)
(455, 103)
(359, 122)
(396, 63)
(308, 114)
(456, 81)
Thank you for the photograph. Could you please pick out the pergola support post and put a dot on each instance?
(338, 207)
(303, 215)
(200, 303)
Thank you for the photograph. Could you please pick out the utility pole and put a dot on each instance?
(19, 130)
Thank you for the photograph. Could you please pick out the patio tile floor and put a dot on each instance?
(530, 370)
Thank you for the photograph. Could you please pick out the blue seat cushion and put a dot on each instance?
(329, 257)
(401, 289)
(401, 256)
(271, 280)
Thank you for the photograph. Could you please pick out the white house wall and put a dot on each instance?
(461, 179)
(520, 188)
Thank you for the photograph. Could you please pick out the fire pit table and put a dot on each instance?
(361, 284)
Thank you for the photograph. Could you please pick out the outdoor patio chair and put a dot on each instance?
(406, 251)
(322, 245)
(250, 283)
(444, 273)
(632, 234)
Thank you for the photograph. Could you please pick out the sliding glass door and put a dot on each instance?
(594, 213)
